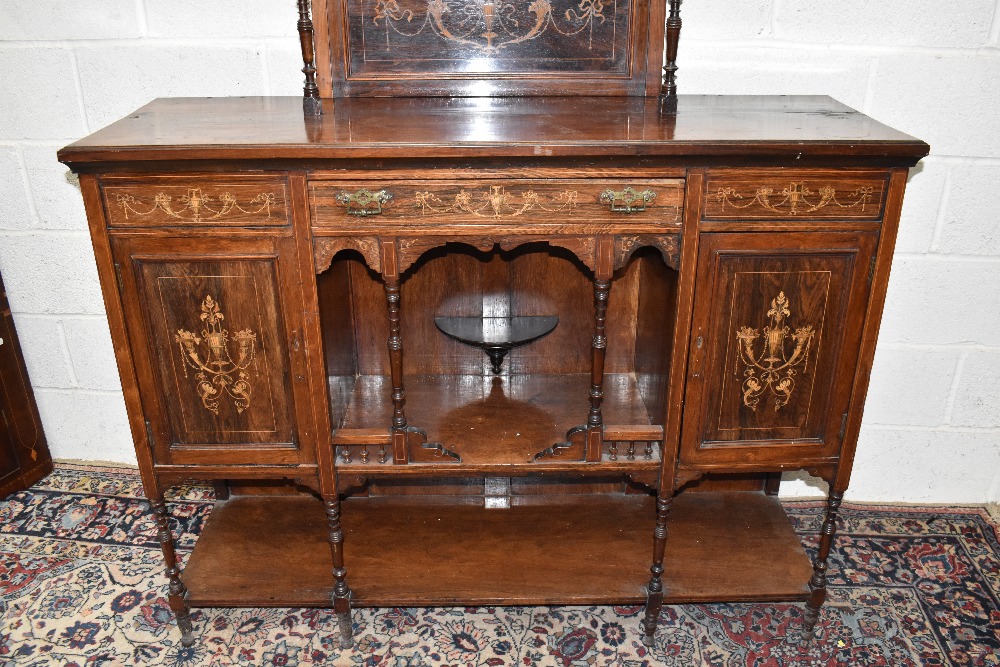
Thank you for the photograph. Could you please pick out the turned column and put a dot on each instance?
(673, 35)
(603, 271)
(176, 591)
(599, 344)
(341, 591)
(817, 584)
(654, 590)
(310, 91)
(390, 280)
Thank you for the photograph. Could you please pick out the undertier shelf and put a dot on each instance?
(489, 420)
(274, 551)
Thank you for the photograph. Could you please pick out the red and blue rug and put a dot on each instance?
(81, 584)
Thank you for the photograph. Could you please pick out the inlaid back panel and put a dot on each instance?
(486, 47)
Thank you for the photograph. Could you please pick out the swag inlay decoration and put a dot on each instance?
(489, 25)
(197, 206)
(497, 203)
(796, 198)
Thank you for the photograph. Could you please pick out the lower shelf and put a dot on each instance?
(273, 551)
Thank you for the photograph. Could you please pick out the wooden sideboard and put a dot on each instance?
(718, 275)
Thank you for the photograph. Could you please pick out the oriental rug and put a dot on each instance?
(82, 583)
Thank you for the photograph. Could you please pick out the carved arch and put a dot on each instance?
(324, 249)
(669, 246)
(412, 248)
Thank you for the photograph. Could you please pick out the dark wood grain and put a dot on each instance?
(481, 49)
(794, 195)
(405, 552)
(24, 452)
(458, 281)
(492, 420)
(236, 400)
(787, 400)
(202, 201)
(783, 130)
(566, 202)
(771, 229)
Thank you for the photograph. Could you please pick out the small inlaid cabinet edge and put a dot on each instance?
(25, 453)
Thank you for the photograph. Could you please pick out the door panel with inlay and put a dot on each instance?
(776, 332)
(219, 345)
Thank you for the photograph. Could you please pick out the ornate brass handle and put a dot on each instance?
(364, 202)
(628, 200)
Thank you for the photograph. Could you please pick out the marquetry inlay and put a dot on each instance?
(773, 368)
(490, 25)
(209, 355)
(796, 199)
(196, 205)
(496, 203)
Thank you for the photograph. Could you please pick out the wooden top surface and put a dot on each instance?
(268, 128)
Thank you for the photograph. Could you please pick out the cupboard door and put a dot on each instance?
(214, 323)
(775, 339)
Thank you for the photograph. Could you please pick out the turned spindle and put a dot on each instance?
(310, 91)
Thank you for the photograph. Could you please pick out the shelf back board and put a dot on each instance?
(484, 48)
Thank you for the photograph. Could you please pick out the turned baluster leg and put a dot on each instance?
(595, 421)
(673, 35)
(175, 588)
(341, 591)
(654, 591)
(817, 585)
(395, 344)
(310, 91)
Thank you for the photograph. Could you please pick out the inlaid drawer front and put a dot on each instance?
(213, 201)
(792, 195)
(537, 202)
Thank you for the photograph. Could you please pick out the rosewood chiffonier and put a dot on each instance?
(492, 315)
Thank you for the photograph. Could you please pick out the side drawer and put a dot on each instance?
(800, 195)
(342, 204)
(192, 200)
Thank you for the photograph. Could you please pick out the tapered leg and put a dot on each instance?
(817, 585)
(175, 589)
(654, 591)
(341, 592)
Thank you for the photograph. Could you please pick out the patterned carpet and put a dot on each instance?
(81, 583)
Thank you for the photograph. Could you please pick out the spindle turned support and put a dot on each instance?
(668, 91)
(176, 591)
(311, 104)
(817, 584)
(654, 590)
(599, 344)
(395, 345)
(341, 592)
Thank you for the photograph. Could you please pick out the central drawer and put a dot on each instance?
(534, 202)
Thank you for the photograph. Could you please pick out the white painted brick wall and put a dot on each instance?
(928, 67)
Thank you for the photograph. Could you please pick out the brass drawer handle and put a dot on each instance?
(628, 200)
(364, 202)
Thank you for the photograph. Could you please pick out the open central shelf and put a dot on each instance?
(487, 420)
(734, 546)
